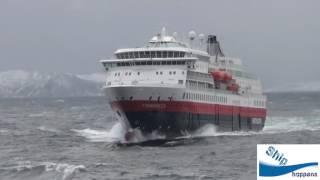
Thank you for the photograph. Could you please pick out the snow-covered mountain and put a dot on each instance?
(34, 84)
(297, 87)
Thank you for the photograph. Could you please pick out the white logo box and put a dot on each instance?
(288, 161)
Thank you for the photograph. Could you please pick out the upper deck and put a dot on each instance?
(164, 58)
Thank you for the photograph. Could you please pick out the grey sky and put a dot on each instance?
(278, 40)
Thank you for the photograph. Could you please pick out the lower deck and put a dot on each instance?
(176, 123)
(174, 118)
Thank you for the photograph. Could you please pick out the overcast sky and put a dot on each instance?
(278, 40)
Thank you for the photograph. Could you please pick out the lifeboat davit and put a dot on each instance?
(234, 87)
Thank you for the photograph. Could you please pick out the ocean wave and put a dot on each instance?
(276, 124)
(4, 131)
(47, 129)
(176, 176)
(41, 114)
(65, 171)
(316, 112)
(211, 130)
(59, 101)
(116, 133)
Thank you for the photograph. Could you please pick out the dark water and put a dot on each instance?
(72, 139)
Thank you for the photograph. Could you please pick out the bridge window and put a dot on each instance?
(141, 54)
(165, 54)
(131, 55)
(147, 54)
(149, 62)
(159, 54)
(150, 54)
(153, 54)
(136, 54)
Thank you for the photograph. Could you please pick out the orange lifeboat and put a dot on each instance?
(218, 75)
(221, 75)
(227, 77)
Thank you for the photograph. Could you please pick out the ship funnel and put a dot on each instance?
(213, 46)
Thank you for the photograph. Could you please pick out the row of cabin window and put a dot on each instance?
(258, 103)
(150, 98)
(126, 73)
(196, 84)
(138, 73)
(170, 72)
(150, 54)
(205, 97)
(138, 63)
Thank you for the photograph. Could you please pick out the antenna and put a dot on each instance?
(163, 31)
(192, 36)
(175, 35)
(201, 38)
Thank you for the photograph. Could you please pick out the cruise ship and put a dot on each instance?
(174, 86)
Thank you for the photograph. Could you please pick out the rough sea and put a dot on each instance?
(75, 138)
